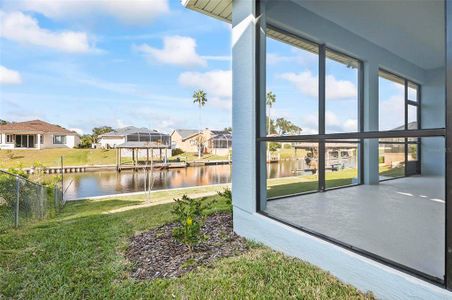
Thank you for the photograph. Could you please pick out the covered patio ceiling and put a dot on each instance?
(411, 29)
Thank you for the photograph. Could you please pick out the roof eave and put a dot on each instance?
(192, 4)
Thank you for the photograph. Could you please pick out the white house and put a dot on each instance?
(131, 134)
(131, 139)
(386, 64)
(36, 134)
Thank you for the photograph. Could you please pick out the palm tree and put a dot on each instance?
(271, 98)
(200, 97)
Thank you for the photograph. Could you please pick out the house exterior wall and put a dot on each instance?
(72, 141)
(111, 142)
(187, 145)
(191, 144)
(249, 86)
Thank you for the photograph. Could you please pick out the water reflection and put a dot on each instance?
(91, 184)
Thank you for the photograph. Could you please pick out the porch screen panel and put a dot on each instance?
(292, 168)
(292, 86)
(341, 93)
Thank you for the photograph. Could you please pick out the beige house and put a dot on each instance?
(36, 134)
(217, 142)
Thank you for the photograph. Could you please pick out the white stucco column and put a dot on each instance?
(244, 102)
(371, 122)
(39, 141)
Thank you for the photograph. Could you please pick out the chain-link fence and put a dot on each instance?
(22, 201)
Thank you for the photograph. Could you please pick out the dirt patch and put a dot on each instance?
(156, 254)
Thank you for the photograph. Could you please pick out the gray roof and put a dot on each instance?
(143, 145)
(411, 126)
(220, 132)
(128, 130)
(186, 133)
(227, 136)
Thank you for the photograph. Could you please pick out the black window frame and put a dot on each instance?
(322, 137)
(361, 135)
(411, 167)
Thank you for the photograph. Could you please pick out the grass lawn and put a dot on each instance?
(298, 184)
(76, 157)
(78, 255)
(391, 172)
(51, 157)
(189, 157)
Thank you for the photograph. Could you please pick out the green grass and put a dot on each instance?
(306, 183)
(189, 157)
(77, 157)
(391, 172)
(79, 255)
(51, 157)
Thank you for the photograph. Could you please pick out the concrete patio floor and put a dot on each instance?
(401, 220)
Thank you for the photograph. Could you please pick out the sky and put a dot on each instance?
(83, 64)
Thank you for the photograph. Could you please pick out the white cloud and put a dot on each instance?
(305, 82)
(177, 50)
(8, 76)
(217, 84)
(334, 124)
(22, 28)
(127, 11)
(339, 89)
(308, 84)
(391, 112)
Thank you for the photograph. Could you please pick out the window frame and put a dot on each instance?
(361, 135)
(408, 164)
(63, 139)
(322, 137)
(9, 139)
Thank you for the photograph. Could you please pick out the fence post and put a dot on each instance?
(55, 197)
(16, 217)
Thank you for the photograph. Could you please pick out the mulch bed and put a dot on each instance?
(156, 254)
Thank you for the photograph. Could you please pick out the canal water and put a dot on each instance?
(90, 184)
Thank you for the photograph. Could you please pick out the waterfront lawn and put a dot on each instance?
(77, 157)
(79, 255)
(52, 157)
(190, 157)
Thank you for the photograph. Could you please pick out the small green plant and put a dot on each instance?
(177, 151)
(227, 195)
(190, 218)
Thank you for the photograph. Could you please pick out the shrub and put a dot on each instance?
(177, 151)
(287, 146)
(190, 218)
(274, 146)
(227, 195)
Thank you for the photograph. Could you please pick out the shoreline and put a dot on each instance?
(219, 185)
(112, 167)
